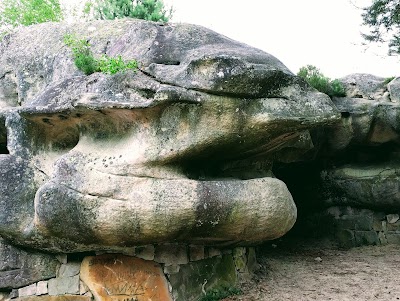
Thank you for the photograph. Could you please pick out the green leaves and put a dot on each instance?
(28, 12)
(383, 18)
(88, 64)
(113, 65)
(313, 76)
(152, 10)
(220, 293)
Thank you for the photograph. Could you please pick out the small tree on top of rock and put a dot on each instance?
(313, 76)
(151, 10)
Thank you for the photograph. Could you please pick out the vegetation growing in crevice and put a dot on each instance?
(388, 80)
(220, 293)
(86, 62)
(313, 76)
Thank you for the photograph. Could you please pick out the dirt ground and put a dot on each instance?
(324, 273)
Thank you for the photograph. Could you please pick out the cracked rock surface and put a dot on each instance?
(179, 151)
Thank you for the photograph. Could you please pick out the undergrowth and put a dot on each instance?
(388, 80)
(86, 62)
(220, 293)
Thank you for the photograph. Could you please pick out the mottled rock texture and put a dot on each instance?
(117, 277)
(354, 166)
(20, 268)
(365, 146)
(179, 151)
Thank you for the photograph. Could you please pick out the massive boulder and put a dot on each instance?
(364, 146)
(177, 151)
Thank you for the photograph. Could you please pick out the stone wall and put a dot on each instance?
(162, 272)
(353, 227)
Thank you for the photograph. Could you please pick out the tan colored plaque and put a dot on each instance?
(113, 277)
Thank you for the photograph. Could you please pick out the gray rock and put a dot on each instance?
(29, 290)
(364, 186)
(394, 89)
(145, 252)
(196, 278)
(42, 288)
(392, 218)
(196, 252)
(171, 254)
(360, 85)
(19, 268)
(107, 162)
(65, 285)
(70, 269)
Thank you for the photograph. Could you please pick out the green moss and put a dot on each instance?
(220, 293)
(209, 275)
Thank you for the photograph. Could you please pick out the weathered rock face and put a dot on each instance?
(111, 161)
(367, 139)
(349, 187)
(375, 186)
(21, 267)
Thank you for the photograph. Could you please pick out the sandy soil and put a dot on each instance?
(325, 273)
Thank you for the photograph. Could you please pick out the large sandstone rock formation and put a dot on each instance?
(349, 184)
(180, 150)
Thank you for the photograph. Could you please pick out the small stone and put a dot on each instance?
(212, 252)
(170, 254)
(29, 290)
(318, 259)
(41, 288)
(239, 251)
(171, 269)
(366, 238)
(62, 286)
(392, 218)
(382, 238)
(70, 269)
(62, 258)
(393, 238)
(345, 238)
(14, 294)
(196, 252)
(145, 252)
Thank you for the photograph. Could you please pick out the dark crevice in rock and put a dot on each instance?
(175, 63)
(3, 148)
(3, 137)
(345, 114)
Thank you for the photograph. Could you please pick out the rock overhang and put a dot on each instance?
(112, 150)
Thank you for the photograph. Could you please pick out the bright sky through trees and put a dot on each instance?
(324, 33)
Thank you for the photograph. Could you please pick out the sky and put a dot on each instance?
(323, 33)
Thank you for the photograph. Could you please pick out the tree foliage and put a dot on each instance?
(28, 12)
(151, 10)
(383, 18)
(313, 76)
